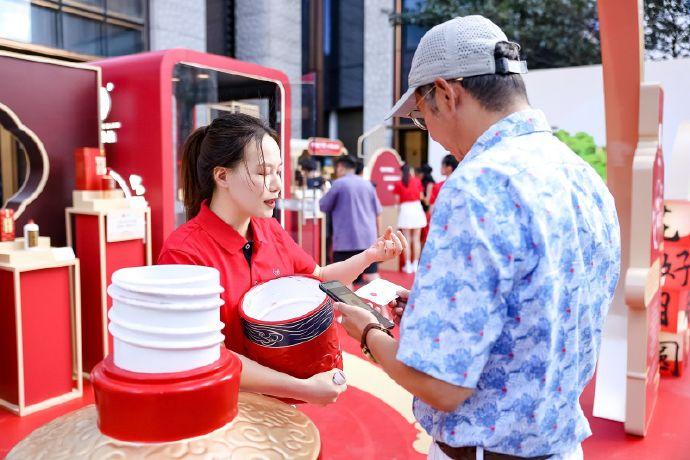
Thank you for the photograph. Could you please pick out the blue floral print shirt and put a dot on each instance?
(514, 283)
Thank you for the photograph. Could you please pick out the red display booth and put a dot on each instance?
(159, 98)
(383, 170)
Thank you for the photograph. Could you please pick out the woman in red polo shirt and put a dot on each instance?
(448, 165)
(411, 218)
(232, 179)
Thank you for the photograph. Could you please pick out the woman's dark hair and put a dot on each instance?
(450, 161)
(427, 178)
(405, 174)
(307, 162)
(359, 169)
(347, 162)
(222, 143)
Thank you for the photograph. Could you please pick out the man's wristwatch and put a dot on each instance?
(365, 348)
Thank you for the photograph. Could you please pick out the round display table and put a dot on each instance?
(264, 428)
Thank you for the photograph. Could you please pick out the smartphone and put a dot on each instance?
(340, 293)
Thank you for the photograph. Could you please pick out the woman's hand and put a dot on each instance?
(397, 306)
(323, 388)
(388, 246)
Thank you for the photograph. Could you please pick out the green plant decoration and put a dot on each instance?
(583, 145)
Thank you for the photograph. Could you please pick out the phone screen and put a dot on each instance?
(346, 295)
(341, 293)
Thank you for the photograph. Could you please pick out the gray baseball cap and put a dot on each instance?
(461, 47)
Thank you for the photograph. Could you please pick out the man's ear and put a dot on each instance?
(446, 94)
(221, 176)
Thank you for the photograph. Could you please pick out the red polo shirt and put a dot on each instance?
(411, 192)
(207, 240)
(434, 191)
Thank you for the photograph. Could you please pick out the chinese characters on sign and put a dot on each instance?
(674, 342)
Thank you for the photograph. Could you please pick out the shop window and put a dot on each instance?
(44, 26)
(82, 35)
(130, 8)
(202, 94)
(90, 27)
(94, 3)
(122, 39)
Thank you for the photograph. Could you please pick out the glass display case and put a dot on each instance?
(201, 94)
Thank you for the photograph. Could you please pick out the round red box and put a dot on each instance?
(139, 407)
(301, 346)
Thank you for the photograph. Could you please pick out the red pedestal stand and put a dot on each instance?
(166, 407)
(101, 253)
(40, 347)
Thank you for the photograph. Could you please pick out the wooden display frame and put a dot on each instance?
(22, 408)
(642, 282)
(101, 215)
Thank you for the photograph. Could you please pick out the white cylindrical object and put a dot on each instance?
(170, 317)
(164, 300)
(168, 278)
(150, 361)
(165, 318)
(155, 351)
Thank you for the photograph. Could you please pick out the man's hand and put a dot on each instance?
(388, 246)
(397, 306)
(354, 319)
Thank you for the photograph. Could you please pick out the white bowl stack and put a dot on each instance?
(165, 318)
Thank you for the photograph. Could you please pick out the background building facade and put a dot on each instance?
(346, 60)
(82, 30)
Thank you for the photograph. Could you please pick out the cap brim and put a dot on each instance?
(405, 104)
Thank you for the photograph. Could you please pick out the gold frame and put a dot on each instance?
(22, 408)
(44, 155)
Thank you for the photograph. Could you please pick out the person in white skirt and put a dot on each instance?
(411, 218)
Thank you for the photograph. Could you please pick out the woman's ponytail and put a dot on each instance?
(193, 189)
(405, 174)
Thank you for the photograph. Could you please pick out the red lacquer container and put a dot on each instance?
(289, 326)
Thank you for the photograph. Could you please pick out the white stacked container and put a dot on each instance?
(165, 318)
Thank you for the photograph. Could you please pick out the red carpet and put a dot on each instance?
(361, 426)
(668, 437)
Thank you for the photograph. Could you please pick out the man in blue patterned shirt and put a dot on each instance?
(501, 331)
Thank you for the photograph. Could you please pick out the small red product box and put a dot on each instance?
(90, 167)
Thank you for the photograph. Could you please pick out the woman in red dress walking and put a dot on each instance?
(411, 218)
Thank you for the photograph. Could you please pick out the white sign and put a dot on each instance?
(125, 224)
(379, 291)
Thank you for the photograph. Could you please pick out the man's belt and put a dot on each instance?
(470, 453)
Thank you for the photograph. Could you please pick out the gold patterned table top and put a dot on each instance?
(264, 429)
